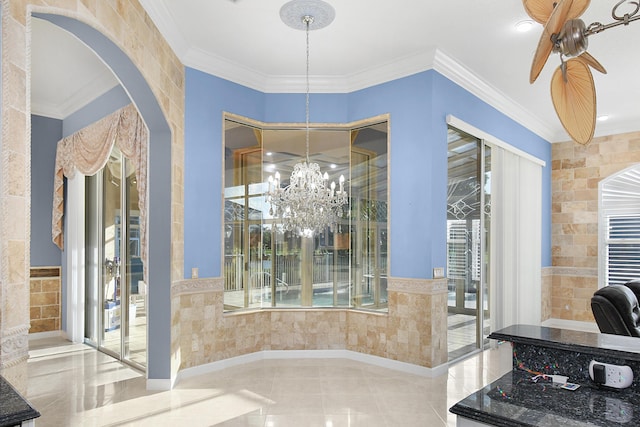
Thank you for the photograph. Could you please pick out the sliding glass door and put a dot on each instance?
(468, 237)
(116, 291)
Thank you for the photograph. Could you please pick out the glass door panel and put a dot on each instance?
(94, 261)
(486, 244)
(122, 291)
(135, 319)
(466, 243)
(112, 292)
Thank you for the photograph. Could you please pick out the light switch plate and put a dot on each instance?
(438, 272)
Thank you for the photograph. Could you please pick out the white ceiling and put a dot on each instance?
(65, 74)
(473, 42)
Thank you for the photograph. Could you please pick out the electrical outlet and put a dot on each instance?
(438, 272)
(613, 375)
(194, 273)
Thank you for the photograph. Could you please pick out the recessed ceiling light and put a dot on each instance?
(524, 26)
(603, 117)
(268, 153)
(333, 166)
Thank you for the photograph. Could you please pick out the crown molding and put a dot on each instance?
(75, 101)
(422, 61)
(245, 76)
(46, 109)
(402, 67)
(397, 69)
(224, 68)
(459, 74)
(240, 74)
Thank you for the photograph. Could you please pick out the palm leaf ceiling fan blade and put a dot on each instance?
(541, 10)
(545, 45)
(574, 98)
(592, 62)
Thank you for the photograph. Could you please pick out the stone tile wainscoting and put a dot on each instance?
(413, 331)
(45, 310)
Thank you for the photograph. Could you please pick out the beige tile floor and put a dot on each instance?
(74, 385)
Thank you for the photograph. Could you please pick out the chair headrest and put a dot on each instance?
(616, 310)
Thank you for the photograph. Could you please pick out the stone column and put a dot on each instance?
(14, 202)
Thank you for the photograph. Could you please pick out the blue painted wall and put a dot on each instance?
(418, 106)
(206, 99)
(412, 162)
(45, 134)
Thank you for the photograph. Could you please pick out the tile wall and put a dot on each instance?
(414, 330)
(45, 309)
(576, 172)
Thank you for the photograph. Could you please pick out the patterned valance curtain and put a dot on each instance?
(87, 151)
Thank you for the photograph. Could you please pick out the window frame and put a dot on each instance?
(618, 197)
(353, 128)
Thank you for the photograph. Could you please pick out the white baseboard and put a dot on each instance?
(159, 384)
(572, 324)
(312, 354)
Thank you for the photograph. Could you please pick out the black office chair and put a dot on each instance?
(616, 309)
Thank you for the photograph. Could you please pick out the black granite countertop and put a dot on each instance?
(14, 409)
(604, 345)
(515, 401)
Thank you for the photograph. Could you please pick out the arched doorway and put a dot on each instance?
(159, 192)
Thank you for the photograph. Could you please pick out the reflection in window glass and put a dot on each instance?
(369, 206)
(264, 266)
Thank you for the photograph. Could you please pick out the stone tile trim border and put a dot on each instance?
(418, 286)
(196, 286)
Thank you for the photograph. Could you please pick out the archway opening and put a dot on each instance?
(159, 189)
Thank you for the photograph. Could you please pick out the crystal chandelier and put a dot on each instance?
(308, 204)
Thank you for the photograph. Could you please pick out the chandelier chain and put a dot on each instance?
(307, 204)
(307, 20)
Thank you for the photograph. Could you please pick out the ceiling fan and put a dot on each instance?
(572, 89)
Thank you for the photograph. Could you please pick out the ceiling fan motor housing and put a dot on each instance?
(572, 41)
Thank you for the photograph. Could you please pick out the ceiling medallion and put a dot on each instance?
(294, 12)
